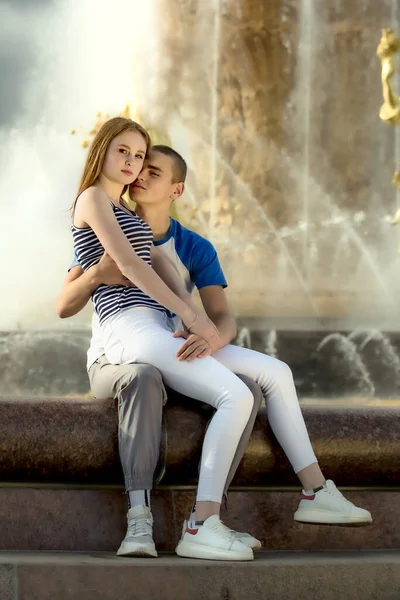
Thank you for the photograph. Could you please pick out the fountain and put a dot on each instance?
(274, 105)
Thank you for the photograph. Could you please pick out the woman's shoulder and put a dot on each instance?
(93, 193)
(92, 198)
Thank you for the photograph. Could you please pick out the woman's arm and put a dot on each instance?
(168, 273)
(93, 208)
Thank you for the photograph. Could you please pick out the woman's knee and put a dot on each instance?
(255, 390)
(241, 399)
(283, 371)
(277, 371)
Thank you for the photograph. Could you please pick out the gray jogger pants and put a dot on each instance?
(141, 395)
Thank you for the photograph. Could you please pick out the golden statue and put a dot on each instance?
(388, 47)
(390, 109)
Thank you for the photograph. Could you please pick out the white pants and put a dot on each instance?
(144, 335)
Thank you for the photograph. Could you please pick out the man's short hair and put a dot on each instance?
(180, 166)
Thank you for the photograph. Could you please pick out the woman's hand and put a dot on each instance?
(204, 328)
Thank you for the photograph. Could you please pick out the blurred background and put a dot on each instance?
(275, 107)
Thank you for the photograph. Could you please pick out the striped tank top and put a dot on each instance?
(108, 300)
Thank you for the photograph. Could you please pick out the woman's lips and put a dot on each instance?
(127, 172)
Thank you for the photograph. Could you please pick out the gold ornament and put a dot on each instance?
(389, 112)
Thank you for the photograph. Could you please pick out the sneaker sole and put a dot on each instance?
(142, 551)
(326, 518)
(188, 550)
(254, 546)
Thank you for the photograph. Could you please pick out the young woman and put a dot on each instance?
(134, 320)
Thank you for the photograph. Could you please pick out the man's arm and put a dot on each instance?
(75, 292)
(216, 305)
(79, 286)
(206, 273)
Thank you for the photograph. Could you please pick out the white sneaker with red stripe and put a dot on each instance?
(328, 506)
(212, 541)
(246, 539)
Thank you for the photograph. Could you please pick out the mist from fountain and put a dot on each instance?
(381, 359)
(334, 217)
(243, 339)
(214, 106)
(247, 196)
(359, 366)
(271, 341)
(340, 218)
(110, 61)
(303, 86)
(348, 371)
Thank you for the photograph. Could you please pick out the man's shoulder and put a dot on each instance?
(190, 237)
(198, 256)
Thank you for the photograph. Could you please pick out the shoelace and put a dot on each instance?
(228, 529)
(337, 494)
(140, 526)
(220, 527)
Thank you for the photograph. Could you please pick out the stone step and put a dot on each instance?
(273, 576)
(64, 440)
(93, 519)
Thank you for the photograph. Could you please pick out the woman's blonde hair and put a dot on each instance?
(97, 151)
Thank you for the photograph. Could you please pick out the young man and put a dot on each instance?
(159, 184)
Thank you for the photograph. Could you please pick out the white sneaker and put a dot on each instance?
(212, 541)
(328, 506)
(246, 539)
(139, 537)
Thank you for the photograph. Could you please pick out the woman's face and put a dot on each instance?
(124, 157)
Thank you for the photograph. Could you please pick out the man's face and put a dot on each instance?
(154, 183)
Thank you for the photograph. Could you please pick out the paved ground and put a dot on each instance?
(272, 576)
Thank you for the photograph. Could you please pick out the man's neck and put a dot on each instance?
(157, 218)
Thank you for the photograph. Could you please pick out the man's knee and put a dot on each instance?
(145, 374)
(144, 382)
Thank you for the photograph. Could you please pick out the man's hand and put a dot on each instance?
(107, 272)
(193, 347)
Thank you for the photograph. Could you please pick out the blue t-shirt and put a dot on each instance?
(194, 257)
